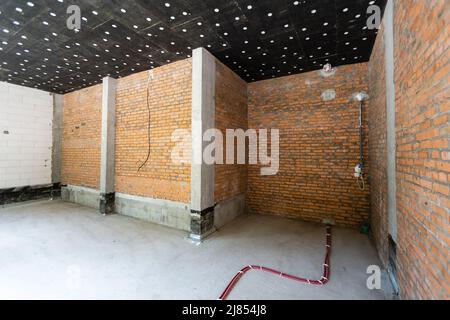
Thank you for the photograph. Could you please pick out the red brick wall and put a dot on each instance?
(378, 149)
(170, 104)
(230, 113)
(422, 77)
(318, 147)
(80, 137)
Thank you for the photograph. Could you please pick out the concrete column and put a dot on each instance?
(107, 146)
(56, 145)
(203, 118)
(390, 118)
(388, 36)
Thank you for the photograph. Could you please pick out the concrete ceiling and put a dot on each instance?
(258, 39)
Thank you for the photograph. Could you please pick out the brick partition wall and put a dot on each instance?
(80, 137)
(230, 113)
(422, 77)
(318, 147)
(170, 105)
(378, 149)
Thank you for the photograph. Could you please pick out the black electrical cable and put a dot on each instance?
(361, 134)
(148, 126)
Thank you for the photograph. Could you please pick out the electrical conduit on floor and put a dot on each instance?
(323, 280)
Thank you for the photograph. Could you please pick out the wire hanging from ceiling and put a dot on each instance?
(150, 77)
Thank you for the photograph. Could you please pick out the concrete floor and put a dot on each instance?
(58, 250)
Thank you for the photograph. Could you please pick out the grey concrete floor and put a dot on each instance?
(58, 250)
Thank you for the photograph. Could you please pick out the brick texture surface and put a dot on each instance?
(422, 77)
(170, 105)
(230, 113)
(319, 147)
(378, 149)
(81, 135)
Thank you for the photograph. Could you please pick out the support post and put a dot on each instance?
(203, 118)
(390, 117)
(56, 145)
(391, 141)
(107, 146)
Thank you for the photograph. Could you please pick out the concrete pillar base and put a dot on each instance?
(56, 190)
(107, 201)
(202, 223)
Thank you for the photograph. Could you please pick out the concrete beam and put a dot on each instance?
(203, 118)
(107, 146)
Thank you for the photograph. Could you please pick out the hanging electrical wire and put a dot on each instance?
(150, 76)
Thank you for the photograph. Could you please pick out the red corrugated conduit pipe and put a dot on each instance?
(325, 276)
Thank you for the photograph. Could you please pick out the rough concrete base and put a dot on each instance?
(81, 195)
(56, 191)
(229, 210)
(115, 257)
(26, 193)
(202, 224)
(164, 212)
(107, 203)
(387, 287)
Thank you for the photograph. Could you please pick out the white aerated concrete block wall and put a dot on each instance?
(25, 136)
